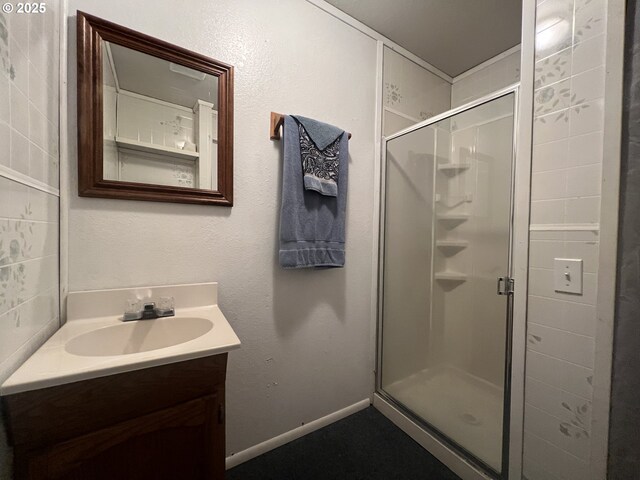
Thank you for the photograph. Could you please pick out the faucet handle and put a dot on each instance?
(133, 305)
(166, 303)
(133, 309)
(166, 307)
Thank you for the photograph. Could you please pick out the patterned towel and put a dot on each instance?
(320, 154)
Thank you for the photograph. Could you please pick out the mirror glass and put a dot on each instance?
(160, 121)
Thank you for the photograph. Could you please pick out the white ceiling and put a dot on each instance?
(135, 70)
(451, 35)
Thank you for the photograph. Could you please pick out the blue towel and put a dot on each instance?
(312, 225)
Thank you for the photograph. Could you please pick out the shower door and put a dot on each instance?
(443, 351)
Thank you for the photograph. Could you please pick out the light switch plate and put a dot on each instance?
(567, 275)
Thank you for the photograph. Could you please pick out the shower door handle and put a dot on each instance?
(505, 286)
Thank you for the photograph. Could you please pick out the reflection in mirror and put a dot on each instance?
(155, 120)
(160, 121)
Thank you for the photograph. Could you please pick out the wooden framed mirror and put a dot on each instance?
(155, 121)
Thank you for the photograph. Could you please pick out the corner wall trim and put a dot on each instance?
(275, 442)
(23, 179)
(614, 94)
(565, 227)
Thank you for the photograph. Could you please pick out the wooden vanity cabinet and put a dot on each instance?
(164, 422)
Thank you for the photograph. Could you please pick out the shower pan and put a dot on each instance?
(445, 279)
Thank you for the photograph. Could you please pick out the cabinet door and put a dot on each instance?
(182, 442)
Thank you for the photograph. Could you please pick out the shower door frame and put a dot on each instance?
(468, 462)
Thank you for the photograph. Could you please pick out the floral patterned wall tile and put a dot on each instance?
(22, 281)
(29, 80)
(568, 125)
(411, 90)
(565, 406)
(568, 346)
(561, 433)
(21, 325)
(22, 240)
(552, 98)
(553, 69)
(590, 19)
(29, 217)
(550, 127)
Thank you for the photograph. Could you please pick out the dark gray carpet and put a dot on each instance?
(363, 446)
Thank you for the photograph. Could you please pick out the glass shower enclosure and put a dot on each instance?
(445, 256)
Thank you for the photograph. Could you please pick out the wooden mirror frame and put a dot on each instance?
(91, 31)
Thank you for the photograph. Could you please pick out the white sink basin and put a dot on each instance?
(138, 336)
(95, 342)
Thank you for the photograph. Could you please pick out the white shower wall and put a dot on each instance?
(478, 346)
(496, 73)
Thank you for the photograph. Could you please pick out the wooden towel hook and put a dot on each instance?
(277, 120)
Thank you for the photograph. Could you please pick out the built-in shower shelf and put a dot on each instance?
(450, 277)
(453, 167)
(451, 245)
(453, 218)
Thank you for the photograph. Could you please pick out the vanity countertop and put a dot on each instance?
(53, 365)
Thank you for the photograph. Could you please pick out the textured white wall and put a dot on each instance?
(306, 334)
(472, 315)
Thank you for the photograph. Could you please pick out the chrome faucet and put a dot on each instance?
(148, 312)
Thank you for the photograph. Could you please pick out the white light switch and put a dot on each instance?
(567, 275)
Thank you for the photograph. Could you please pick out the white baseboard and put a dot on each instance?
(275, 442)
